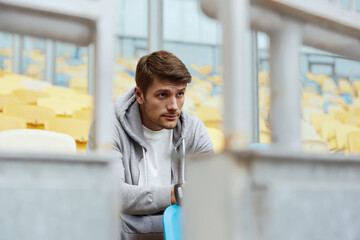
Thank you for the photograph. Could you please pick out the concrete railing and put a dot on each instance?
(58, 197)
(272, 196)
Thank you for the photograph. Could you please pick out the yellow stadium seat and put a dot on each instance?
(339, 115)
(356, 85)
(84, 114)
(217, 79)
(217, 138)
(319, 78)
(211, 116)
(264, 96)
(83, 99)
(204, 84)
(317, 119)
(265, 136)
(345, 86)
(328, 132)
(264, 78)
(354, 142)
(80, 85)
(61, 107)
(354, 111)
(77, 128)
(7, 87)
(34, 70)
(342, 135)
(10, 122)
(6, 99)
(13, 78)
(59, 92)
(29, 96)
(35, 116)
(206, 69)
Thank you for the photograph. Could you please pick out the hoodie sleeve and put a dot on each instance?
(199, 138)
(141, 200)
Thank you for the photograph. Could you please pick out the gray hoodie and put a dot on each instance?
(142, 206)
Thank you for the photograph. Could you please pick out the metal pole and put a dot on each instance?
(91, 72)
(104, 60)
(50, 61)
(237, 88)
(155, 25)
(17, 53)
(284, 75)
(254, 70)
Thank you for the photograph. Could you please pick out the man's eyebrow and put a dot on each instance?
(162, 90)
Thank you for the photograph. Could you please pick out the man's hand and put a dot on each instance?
(173, 198)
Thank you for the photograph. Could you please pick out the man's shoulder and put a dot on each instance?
(191, 121)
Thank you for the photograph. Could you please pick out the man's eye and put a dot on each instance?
(162, 95)
(181, 94)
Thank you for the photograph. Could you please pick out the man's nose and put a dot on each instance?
(172, 104)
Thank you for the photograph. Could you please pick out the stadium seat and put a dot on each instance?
(59, 92)
(354, 110)
(217, 138)
(328, 132)
(6, 88)
(35, 116)
(80, 85)
(61, 107)
(36, 141)
(342, 135)
(265, 136)
(29, 96)
(6, 99)
(84, 114)
(211, 116)
(77, 128)
(10, 122)
(340, 115)
(172, 223)
(354, 142)
(317, 119)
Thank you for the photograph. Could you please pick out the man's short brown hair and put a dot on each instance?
(163, 65)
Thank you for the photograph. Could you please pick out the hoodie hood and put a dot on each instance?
(128, 113)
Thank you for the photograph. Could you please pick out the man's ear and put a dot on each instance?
(139, 95)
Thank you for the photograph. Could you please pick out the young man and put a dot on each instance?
(151, 136)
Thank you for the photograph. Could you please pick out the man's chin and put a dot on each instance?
(170, 125)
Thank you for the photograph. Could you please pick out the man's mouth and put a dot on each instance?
(171, 117)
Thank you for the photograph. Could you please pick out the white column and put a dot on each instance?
(155, 25)
(91, 71)
(253, 71)
(103, 68)
(237, 87)
(17, 53)
(50, 61)
(284, 82)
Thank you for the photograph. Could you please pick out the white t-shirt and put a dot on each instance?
(155, 167)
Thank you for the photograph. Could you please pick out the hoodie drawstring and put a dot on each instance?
(145, 167)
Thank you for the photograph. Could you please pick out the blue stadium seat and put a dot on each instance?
(172, 223)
